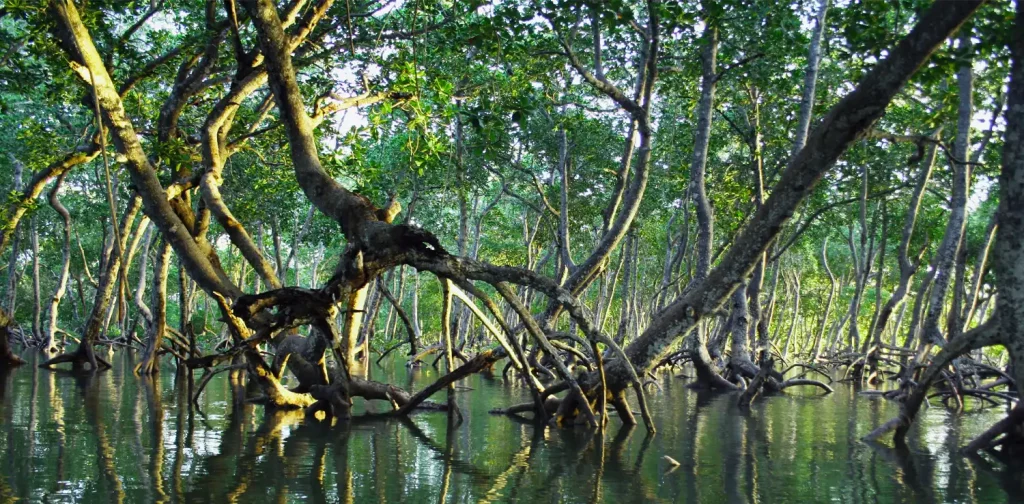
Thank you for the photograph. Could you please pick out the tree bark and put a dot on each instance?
(810, 79)
(816, 350)
(945, 256)
(907, 266)
(11, 229)
(150, 363)
(49, 344)
(101, 301)
(707, 376)
(7, 356)
(37, 298)
(1008, 255)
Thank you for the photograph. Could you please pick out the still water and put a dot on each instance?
(112, 437)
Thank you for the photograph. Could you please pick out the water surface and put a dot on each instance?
(112, 437)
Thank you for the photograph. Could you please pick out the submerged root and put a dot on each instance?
(1008, 433)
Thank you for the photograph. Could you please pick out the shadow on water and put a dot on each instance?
(115, 437)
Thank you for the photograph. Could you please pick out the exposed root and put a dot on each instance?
(483, 360)
(277, 395)
(979, 337)
(810, 369)
(1007, 431)
(83, 355)
(802, 381)
(551, 405)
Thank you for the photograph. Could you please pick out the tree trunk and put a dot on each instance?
(707, 376)
(12, 272)
(1008, 255)
(49, 345)
(980, 267)
(848, 121)
(7, 356)
(37, 298)
(948, 249)
(1007, 326)
(627, 284)
(875, 337)
(816, 350)
(739, 323)
(907, 266)
(810, 79)
(861, 258)
(150, 363)
(795, 317)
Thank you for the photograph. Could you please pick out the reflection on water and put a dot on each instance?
(113, 437)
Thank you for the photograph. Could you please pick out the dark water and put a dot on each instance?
(113, 437)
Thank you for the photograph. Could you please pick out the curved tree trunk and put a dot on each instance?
(150, 363)
(49, 346)
(707, 376)
(946, 255)
(907, 267)
(37, 298)
(816, 348)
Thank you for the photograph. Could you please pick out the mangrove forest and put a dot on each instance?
(512, 251)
